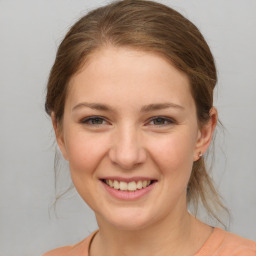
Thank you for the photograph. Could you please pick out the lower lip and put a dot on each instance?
(128, 195)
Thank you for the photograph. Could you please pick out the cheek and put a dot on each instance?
(173, 150)
(85, 152)
(174, 155)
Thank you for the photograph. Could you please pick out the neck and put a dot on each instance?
(170, 237)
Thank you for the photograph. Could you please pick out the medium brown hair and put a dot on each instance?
(146, 26)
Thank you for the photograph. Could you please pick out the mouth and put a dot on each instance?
(130, 186)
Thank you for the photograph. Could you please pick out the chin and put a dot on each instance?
(127, 219)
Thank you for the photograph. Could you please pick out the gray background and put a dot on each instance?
(30, 31)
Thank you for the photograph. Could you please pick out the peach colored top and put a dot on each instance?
(223, 243)
(220, 243)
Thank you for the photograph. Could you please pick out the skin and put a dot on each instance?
(127, 142)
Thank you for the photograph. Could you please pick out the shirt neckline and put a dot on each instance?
(212, 242)
(209, 245)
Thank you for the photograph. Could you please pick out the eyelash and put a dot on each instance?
(91, 119)
(165, 119)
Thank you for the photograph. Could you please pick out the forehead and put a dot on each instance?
(131, 76)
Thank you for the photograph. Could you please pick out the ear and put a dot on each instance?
(59, 136)
(205, 134)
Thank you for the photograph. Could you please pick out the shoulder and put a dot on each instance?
(238, 245)
(63, 251)
(80, 248)
(223, 243)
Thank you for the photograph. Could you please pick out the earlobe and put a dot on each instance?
(59, 136)
(205, 134)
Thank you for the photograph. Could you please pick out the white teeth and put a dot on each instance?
(144, 183)
(123, 185)
(116, 184)
(139, 185)
(130, 186)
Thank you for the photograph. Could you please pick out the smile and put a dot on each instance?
(132, 188)
(128, 186)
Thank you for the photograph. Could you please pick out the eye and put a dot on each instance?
(94, 121)
(161, 121)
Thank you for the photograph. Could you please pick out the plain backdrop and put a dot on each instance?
(30, 32)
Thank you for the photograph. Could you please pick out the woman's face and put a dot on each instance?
(130, 134)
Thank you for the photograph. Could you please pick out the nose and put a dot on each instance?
(127, 150)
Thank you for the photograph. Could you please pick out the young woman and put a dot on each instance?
(131, 100)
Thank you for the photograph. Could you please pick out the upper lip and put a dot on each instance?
(130, 179)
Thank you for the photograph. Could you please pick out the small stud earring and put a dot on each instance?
(200, 154)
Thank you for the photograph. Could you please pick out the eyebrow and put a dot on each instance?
(96, 106)
(159, 106)
(144, 109)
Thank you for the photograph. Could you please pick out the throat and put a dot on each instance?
(175, 241)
